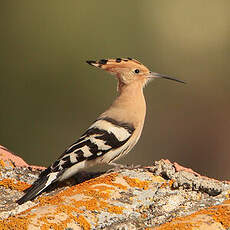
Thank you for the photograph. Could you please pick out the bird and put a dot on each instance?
(112, 135)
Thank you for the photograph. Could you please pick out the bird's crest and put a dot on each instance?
(109, 63)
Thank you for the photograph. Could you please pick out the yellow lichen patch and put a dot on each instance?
(135, 182)
(13, 184)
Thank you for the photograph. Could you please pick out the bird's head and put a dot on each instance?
(128, 70)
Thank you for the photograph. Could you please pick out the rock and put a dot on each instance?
(163, 196)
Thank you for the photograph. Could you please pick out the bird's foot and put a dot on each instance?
(119, 167)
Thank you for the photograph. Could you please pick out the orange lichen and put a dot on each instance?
(120, 186)
(13, 184)
(226, 202)
(177, 226)
(103, 187)
(171, 182)
(103, 205)
(11, 164)
(95, 191)
(86, 188)
(6, 163)
(164, 185)
(53, 200)
(62, 208)
(83, 222)
(51, 225)
(144, 215)
(135, 182)
(96, 194)
(12, 223)
(2, 163)
(167, 183)
(54, 226)
(220, 214)
(93, 195)
(89, 204)
(49, 222)
(115, 209)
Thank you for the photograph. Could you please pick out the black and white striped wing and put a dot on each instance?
(105, 137)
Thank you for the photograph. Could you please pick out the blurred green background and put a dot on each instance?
(49, 95)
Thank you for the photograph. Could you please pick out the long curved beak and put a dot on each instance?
(157, 75)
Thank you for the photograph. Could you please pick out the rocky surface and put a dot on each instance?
(162, 196)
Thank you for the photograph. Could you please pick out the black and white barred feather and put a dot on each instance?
(104, 141)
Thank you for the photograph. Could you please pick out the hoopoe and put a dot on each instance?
(113, 134)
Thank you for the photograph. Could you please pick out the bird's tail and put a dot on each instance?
(39, 186)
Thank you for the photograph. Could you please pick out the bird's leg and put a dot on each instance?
(118, 167)
(115, 165)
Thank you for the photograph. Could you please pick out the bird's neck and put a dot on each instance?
(131, 92)
(129, 105)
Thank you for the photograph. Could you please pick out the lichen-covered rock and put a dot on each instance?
(163, 196)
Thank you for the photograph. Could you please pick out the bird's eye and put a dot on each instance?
(136, 71)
